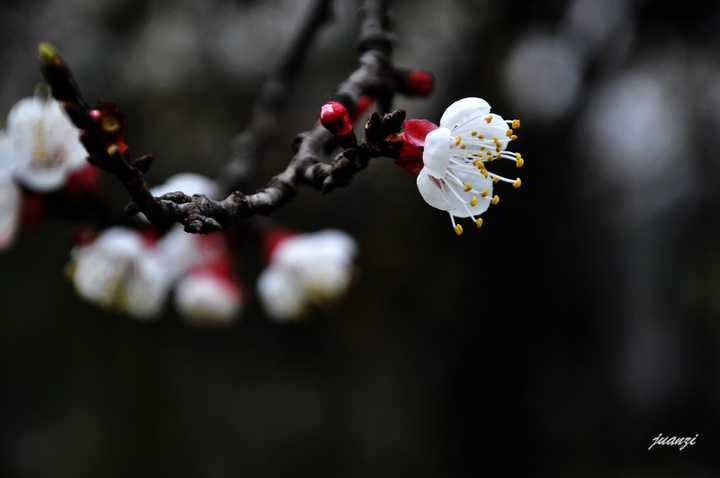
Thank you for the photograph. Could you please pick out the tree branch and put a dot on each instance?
(375, 76)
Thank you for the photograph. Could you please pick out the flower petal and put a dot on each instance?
(432, 190)
(463, 110)
(436, 156)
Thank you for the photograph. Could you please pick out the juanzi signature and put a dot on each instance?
(680, 442)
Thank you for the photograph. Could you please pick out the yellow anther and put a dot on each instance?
(482, 148)
(519, 162)
(112, 149)
(509, 133)
(481, 136)
(458, 229)
(484, 172)
(484, 193)
(462, 146)
(517, 183)
(513, 137)
(458, 140)
(495, 200)
(488, 119)
(479, 222)
(467, 187)
(495, 179)
(516, 123)
(473, 133)
(473, 201)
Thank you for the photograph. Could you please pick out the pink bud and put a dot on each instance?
(335, 118)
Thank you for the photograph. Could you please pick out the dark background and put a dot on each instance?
(580, 322)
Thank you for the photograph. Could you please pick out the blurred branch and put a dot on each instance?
(248, 145)
(103, 128)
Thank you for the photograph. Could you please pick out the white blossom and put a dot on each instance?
(44, 144)
(209, 294)
(455, 177)
(120, 270)
(306, 269)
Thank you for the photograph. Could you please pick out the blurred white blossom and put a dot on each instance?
(45, 148)
(124, 271)
(305, 269)
(209, 294)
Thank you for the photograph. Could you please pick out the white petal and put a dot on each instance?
(326, 281)
(145, 289)
(432, 191)
(436, 154)
(281, 294)
(8, 158)
(203, 299)
(40, 179)
(9, 212)
(463, 110)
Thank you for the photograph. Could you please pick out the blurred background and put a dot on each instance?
(577, 324)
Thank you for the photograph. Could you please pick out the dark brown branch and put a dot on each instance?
(375, 76)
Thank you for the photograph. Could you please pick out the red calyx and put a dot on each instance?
(84, 179)
(413, 141)
(32, 210)
(420, 82)
(335, 118)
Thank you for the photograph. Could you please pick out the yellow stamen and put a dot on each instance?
(467, 187)
(458, 140)
(473, 133)
(509, 133)
(458, 229)
(516, 123)
(517, 183)
(513, 137)
(519, 161)
(479, 222)
(484, 193)
(488, 119)
(473, 201)
(495, 200)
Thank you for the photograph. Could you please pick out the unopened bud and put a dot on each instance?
(335, 118)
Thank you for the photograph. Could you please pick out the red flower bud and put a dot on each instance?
(335, 118)
(420, 82)
(413, 141)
